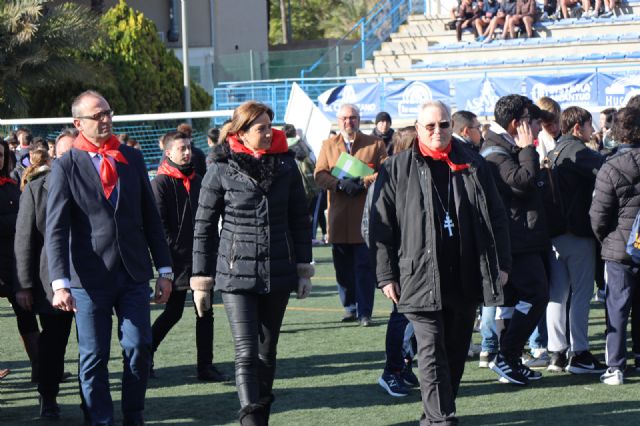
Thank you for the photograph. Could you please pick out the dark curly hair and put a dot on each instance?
(508, 108)
(626, 127)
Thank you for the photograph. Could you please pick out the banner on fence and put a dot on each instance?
(402, 99)
(366, 96)
(480, 95)
(615, 90)
(568, 90)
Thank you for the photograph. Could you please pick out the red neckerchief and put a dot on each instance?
(441, 156)
(278, 145)
(167, 169)
(108, 171)
(4, 180)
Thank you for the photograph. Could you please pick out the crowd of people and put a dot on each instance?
(484, 17)
(515, 219)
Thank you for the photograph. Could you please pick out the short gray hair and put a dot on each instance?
(435, 104)
(75, 106)
(350, 106)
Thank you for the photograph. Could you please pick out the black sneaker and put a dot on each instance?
(408, 377)
(509, 370)
(529, 373)
(393, 384)
(558, 362)
(211, 374)
(585, 363)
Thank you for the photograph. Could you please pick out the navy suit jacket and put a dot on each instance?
(87, 238)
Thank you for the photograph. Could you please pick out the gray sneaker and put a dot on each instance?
(533, 362)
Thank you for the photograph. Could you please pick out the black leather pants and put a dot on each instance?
(255, 322)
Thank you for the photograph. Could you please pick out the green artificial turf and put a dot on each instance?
(327, 375)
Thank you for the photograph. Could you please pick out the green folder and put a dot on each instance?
(350, 166)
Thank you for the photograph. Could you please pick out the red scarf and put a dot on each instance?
(441, 156)
(278, 145)
(4, 180)
(167, 169)
(108, 171)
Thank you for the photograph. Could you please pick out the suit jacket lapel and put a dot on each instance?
(90, 174)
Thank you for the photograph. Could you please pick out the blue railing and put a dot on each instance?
(379, 23)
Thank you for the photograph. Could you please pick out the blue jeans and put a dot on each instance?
(488, 330)
(538, 338)
(394, 340)
(130, 300)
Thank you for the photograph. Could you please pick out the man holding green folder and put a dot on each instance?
(347, 165)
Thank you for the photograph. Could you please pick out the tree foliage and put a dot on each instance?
(317, 19)
(37, 49)
(137, 73)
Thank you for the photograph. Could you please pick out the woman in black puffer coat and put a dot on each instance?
(263, 249)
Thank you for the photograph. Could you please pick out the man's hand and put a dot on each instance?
(24, 298)
(392, 291)
(163, 290)
(63, 300)
(525, 135)
(351, 186)
(304, 287)
(503, 277)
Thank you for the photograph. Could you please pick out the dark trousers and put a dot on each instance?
(130, 300)
(394, 339)
(52, 346)
(443, 343)
(355, 275)
(528, 292)
(255, 321)
(171, 315)
(622, 286)
(27, 321)
(321, 219)
(635, 322)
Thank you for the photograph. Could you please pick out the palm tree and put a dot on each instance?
(39, 43)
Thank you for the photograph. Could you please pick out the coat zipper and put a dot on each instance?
(286, 237)
(233, 250)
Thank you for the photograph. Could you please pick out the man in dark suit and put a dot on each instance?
(101, 223)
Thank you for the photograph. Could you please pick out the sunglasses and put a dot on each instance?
(98, 115)
(430, 127)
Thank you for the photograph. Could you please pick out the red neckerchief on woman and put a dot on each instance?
(167, 169)
(108, 171)
(4, 180)
(278, 145)
(441, 156)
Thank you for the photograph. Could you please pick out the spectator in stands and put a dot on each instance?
(466, 129)
(490, 9)
(198, 158)
(33, 289)
(550, 10)
(507, 8)
(427, 251)
(572, 264)
(525, 14)
(510, 151)
(383, 130)
(262, 252)
(615, 205)
(566, 4)
(468, 12)
(176, 189)
(550, 126)
(356, 281)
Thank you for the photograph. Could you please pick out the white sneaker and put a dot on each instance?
(613, 376)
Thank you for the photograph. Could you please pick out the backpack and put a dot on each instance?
(306, 168)
(547, 182)
(633, 243)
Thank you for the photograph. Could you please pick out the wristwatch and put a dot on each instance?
(166, 275)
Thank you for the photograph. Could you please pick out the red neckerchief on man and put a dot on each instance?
(108, 171)
(4, 180)
(441, 156)
(167, 169)
(278, 145)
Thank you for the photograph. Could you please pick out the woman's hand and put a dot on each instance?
(24, 298)
(304, 287)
